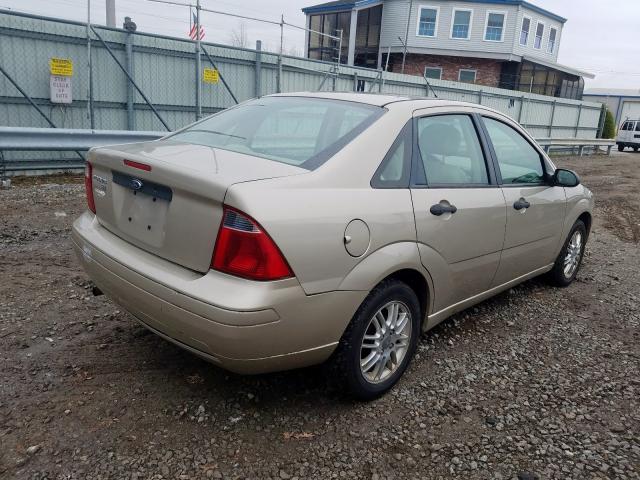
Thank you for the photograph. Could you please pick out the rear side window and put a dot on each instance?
(395, 169)
(299, 131)
(519, 162)
(450, 151)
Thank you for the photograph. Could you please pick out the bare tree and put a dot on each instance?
(294, 51)
(238, 37)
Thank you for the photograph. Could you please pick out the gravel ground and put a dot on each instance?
(537, 383)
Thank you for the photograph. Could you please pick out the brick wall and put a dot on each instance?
(487, 70)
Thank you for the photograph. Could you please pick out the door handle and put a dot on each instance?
(521, 204)
(442, 208)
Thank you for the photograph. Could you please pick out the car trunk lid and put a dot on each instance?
(166, 196)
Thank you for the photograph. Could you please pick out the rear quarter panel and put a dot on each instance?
(307, 215)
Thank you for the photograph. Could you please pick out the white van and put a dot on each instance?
(629, 135)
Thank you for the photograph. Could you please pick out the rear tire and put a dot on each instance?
(377, 347)
(568, 262)
(635, 149)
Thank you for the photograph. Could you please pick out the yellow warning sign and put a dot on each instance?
(61, 66)
(210, 75)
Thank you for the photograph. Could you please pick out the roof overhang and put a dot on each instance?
(339, 6)
(557, 66)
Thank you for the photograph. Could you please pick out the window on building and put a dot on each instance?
(539, 36)
(433, 72)
(495, 26)
(427, 21)
(461, 26)
(553, 34)
(368, 37)
(467, 76)
(321, 47)
(524, 32)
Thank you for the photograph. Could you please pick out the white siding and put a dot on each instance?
(548, 24)
(394, 21)
(394, 25)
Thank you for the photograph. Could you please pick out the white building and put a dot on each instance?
(623, 103)
(500, 43)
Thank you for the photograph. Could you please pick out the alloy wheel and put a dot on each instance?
(385, 342)
(574, 252)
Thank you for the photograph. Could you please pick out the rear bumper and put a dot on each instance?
(243, 326)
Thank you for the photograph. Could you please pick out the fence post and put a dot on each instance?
(198, 65)
(578, 122)
(522, 99)
(603, 115)
(480, 97)
(553, 116)
(258, 84)
(279, 73)
(131, 122)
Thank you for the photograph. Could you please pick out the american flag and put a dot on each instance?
(194, 28)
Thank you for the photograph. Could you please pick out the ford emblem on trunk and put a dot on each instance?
(136, 184)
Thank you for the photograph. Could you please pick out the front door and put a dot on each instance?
(535, 209)
(459, 208)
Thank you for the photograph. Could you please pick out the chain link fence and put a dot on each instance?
(125, 80)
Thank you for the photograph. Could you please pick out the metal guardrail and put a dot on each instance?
(60, 139)
(580, 143)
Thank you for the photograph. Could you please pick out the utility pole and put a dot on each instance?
(111, 13)
(406, 36)
(198, 65)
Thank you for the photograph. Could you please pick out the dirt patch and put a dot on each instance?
(536, 383)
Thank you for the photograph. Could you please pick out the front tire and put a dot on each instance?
(621, 148)
(379, 343)
(568, 262)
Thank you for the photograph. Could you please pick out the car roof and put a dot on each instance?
(376, 99)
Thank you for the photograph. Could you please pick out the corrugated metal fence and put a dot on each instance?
(163, 70)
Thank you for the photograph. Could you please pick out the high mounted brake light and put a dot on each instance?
(245, 250)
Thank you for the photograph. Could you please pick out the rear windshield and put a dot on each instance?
(299, 131)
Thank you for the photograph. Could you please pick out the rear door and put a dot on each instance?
(535, 208)
(459, 208)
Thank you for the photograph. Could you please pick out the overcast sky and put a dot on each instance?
(599, 38)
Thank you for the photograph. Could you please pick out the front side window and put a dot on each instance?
(467, 76)
(461, 26)
(539, 36)
(295, 130)
(495, 27)
(427, 21)
(433, 72)
(638, 127)
(519, 162)
(450, 151)
(524, 32)
(553, 34)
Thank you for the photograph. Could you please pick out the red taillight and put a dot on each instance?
(88, 186)
(244, 249)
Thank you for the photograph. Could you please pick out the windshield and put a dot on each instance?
(299, 131)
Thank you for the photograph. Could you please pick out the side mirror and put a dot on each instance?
(565, 178)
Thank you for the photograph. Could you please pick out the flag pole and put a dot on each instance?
(198, 65)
